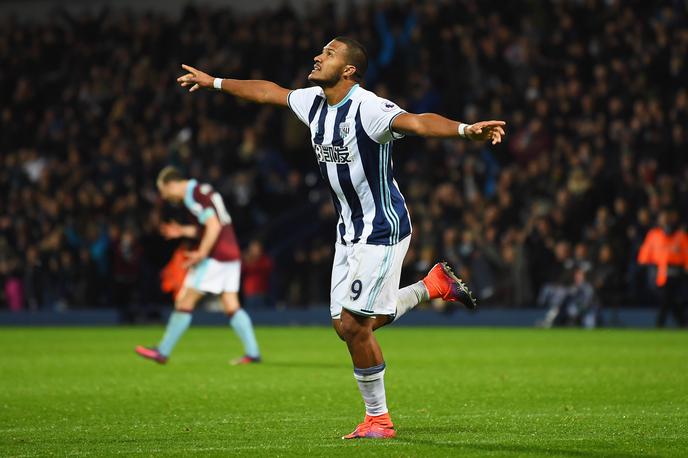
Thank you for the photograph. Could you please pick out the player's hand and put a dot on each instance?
(486, 130)
(171, 230)
(195, 78)
(193, 258)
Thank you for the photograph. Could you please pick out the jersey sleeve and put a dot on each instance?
(301, 101)
(202, 204)
(377, 115)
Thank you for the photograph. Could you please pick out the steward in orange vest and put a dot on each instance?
(666, 247)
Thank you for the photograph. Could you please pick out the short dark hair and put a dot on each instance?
(356, 55)
(168, 174)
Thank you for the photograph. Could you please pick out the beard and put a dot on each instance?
(324, 81)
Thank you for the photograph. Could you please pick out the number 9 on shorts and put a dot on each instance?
(365, 278)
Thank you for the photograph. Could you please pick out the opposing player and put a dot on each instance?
(352, 133)
(214, 266)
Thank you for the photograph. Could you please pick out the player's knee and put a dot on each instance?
(183, 306)
(231, 307)
(347, 332)
(337, 325)
(231, 311)
(350, 330)
(230, 303)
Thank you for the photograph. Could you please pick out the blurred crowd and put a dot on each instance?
(595, 94)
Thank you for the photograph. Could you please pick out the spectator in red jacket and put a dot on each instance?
(255, 273)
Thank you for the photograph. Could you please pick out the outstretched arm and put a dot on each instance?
(258, 91)
(434, 125)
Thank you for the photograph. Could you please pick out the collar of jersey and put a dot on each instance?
(188, 197)
(346, 97)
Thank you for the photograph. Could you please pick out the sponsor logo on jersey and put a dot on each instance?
(334, 154)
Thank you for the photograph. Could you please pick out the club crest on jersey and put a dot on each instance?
(343, 129)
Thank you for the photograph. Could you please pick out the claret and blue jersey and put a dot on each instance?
(353, 144)
(203, 201)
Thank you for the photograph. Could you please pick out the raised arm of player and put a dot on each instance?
(210, 235)
(258, 91)
(434, 125)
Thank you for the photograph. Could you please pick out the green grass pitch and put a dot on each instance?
(451, 391)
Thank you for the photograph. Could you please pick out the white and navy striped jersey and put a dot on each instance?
(353, 145)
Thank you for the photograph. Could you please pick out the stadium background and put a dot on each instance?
(594, 94)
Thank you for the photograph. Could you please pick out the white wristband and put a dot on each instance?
(462, 129)
(217, 84)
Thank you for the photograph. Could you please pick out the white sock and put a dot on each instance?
(409, 297)
(371, 384)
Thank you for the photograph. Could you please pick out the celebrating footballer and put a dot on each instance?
(353, 133)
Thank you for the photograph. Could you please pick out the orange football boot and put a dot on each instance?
(152, 354)
(377, 427)
(245, 360)
(441, 282)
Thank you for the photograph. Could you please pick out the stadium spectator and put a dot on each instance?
(12, 287)
(572, 303)
(554, 293)
(605, 278)
(127, 255)
(256, 269)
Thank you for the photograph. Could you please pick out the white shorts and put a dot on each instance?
(213, 276)
(365, 278)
